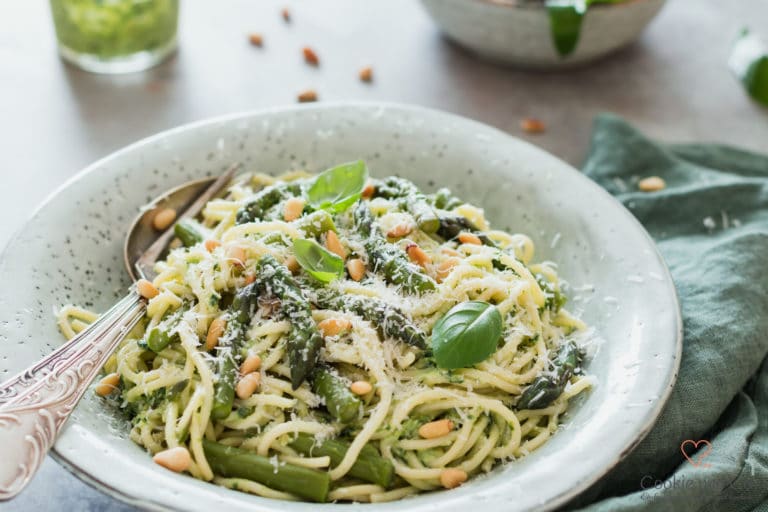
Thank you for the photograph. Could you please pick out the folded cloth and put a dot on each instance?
(710, 223)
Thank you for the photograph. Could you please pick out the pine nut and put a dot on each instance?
(652, 184)
(293, 209)
(210, 245)
(215, 330)
(452, 477)
(247, 385)
(361, 387)
(307, 96)
(310, 57)
(250, 278)
(450, 252)
(433, 429)
(163, 219)
(286, 14)
(333, 244)
(146, 289)
(334, 326)
(108, 384)
(469, 238)
(256, 39)
(293, 264)
(251, 364)
(445, 268)
(237, 254)
(176, 459)
(418, 255)
(531, 125)
(356, 268)
(400, 230)
(368, 191)
(366, 74)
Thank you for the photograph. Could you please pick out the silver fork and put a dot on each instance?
(35, 404)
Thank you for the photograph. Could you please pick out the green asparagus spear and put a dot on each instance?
(389, 321)
(554, 298)
(187, 233)
(546, 388)
(266, 199)
(244, 303)
(304, 340)
(339, 400)
(316, 223)
(274, 238)
(226, 369)
(445, 200)
(411, 199)
(451, 226)
(387, 258)
(370, 466)
(158, 339)
(232, 462)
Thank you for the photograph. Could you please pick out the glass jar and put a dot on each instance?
(115, 36)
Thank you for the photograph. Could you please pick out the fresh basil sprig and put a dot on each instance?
(466, 335)
(318, 262)
(339, 187)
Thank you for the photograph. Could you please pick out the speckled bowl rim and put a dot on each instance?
(554, 502)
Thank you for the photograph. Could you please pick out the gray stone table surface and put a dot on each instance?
(55, 119)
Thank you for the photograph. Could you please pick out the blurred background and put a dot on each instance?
(673, 82)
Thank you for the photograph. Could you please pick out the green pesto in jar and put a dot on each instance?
(114, 28)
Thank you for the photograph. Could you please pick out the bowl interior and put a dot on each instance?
(70, 252)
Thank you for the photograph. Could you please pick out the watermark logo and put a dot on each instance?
(693, 454)
(682, 486)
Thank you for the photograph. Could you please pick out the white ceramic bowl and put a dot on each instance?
(519, 34)
(70, 251)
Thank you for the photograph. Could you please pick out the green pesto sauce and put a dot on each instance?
(114, 28)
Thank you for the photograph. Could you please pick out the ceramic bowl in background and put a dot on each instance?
(520, 33)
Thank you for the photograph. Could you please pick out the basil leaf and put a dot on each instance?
(749, 62)
(565, 18)
(339, 187)
(565, 24)
(466, 335)
(319, 263)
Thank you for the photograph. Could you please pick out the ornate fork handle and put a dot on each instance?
(35, 404)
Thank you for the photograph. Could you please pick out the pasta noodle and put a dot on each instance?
(170, 394)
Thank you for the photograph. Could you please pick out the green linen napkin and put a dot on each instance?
(711, 225)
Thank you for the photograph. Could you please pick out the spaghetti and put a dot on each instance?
(417, 427)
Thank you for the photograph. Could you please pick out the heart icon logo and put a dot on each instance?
(697, 459)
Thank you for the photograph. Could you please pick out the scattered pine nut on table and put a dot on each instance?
(310, 57)
(366, 74)
(256, 39)
(651, 184)
(532, 125)
(307, 96)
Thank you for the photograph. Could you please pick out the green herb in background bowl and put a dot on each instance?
(115, 36)
(749, 62)
(565, 18)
